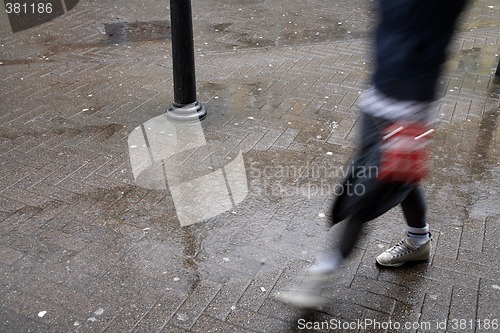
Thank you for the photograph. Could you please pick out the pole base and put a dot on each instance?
(186, 112)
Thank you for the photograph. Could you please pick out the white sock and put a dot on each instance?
(419, 236)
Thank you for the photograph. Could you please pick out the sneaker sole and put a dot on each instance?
(390, 265)
(399, 264)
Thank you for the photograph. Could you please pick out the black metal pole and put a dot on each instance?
(498, 68)
(185, 105)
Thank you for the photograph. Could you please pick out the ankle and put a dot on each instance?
(419, 239)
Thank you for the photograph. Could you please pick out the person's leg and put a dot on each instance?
(307, 293)
(415, 208)
(369, 136)
(415, 212)
(340, 250)
(416, 246)
(350, 236)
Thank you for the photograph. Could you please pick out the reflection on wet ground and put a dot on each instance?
(175, 155)
(125, 32)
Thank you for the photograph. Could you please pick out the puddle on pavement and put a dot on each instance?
(474, 61)
(482, 152)
(484, 149)
(123, 32)
(482, 23)
(328, 33)
(465, 149)
(288, 37)
(468, 146)
(249, 42)
(465, 161)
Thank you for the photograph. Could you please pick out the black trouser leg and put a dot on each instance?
(415, 208)
(350, 236)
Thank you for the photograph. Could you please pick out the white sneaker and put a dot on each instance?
(306, 294)
(403, 252)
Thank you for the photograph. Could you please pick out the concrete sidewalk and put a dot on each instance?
(91, 213)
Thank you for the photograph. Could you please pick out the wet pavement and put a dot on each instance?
(114, 219)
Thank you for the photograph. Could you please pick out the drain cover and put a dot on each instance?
(123, 32)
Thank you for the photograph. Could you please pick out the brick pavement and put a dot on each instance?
(83, 248)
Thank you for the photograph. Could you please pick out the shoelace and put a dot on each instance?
(400, 249)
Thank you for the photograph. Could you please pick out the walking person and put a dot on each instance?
(410, 46)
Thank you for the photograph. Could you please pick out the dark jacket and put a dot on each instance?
(411, 44)
(362, 194)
